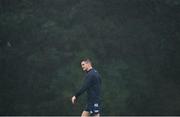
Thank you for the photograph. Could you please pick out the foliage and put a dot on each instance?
(133, 44)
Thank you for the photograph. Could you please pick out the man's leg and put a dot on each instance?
(85, 114)
(97, 115)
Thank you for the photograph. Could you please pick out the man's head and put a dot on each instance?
(86, 64)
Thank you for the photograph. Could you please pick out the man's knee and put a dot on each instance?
(85, 114)
(96, 115)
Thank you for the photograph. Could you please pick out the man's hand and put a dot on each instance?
(73, 99)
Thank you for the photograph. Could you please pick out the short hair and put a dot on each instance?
(87, 60)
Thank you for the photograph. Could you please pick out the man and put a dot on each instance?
(92, 85)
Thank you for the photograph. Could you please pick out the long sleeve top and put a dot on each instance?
(92, 85)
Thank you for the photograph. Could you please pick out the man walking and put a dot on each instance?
(92, 85)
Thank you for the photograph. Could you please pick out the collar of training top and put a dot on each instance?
(89, 70)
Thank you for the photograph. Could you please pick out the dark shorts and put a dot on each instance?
(93, 108)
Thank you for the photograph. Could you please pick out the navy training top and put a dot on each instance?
(92, 85)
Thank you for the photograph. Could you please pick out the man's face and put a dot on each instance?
(84, 66)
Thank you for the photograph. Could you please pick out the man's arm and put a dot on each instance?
(85, 86)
